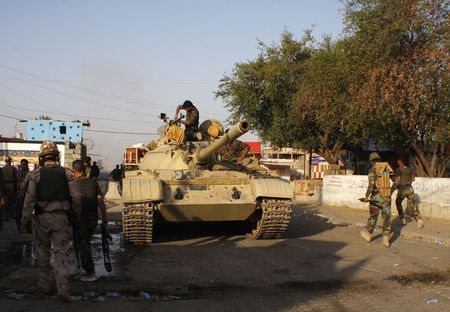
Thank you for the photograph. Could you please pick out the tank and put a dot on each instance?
(183, 181)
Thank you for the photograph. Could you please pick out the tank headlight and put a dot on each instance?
(190, 175)
(178, 175)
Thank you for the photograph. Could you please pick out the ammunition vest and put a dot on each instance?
(53, 184)
(383, 183)
(405, 175)
(88, 189)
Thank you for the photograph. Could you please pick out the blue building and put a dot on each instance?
(55, 130)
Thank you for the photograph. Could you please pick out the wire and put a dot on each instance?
(73, 115)
(96, 92)
(10, 117)
(121, 132)
(74, 96)
(108, 82)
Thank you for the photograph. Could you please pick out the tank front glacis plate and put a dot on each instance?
(207, 199)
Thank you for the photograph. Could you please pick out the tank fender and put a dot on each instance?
(139, 190)
(275, 188)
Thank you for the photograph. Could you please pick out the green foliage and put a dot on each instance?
(386, 80)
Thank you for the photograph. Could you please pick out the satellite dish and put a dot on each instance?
(89, 144)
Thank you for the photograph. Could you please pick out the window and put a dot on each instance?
(62, 129)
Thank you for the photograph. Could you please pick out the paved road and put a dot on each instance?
(316, 267)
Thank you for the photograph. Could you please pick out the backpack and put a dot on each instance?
(384, 173)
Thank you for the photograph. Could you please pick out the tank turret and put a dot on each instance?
(202, 155)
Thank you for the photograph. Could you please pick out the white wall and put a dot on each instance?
(433, 194)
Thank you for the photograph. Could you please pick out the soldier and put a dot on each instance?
(404, 177)
(235, 151)
(52, 195)
(2, 197)
(24, 177)
(91, 201)
(10, 175)
(379, 193)
(191, 121)
(95, 171)
(87, 166)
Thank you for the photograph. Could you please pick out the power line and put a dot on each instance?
(75, 97)
(140, 102)
(72, 115)
(111, 82)
(10, 117)
(121, 132)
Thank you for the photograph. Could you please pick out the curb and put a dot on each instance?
(405, 233)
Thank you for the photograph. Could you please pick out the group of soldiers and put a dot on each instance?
(379, 193)
(58, 202)
(13, 183)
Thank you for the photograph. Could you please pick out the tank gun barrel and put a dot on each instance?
(235, 132)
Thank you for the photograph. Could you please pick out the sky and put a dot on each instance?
(121, 63)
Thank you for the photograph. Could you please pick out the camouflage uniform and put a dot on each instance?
(89, 191)
(191, 121)
(377, 203)
(51, 221)
(24, 178)
(234, 151)
(10, 175)
(404, 178)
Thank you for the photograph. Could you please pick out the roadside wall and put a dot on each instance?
(432, 194)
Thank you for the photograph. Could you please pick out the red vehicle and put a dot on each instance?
(133, 156)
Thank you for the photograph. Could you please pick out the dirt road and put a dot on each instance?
(316, 267)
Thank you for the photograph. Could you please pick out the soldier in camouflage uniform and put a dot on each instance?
(91, 200)
(235, 151)
(51, 195)
(191, 121)
(377, 203)
(404, 178)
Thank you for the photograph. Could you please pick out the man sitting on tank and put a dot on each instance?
(191, 121)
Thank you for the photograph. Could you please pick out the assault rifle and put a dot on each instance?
(106, 238)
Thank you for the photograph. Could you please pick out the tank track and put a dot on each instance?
(137, 223)
(275, 218)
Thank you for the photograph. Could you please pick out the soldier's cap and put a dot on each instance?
(374, 156)
(187, 103)
(48, 148)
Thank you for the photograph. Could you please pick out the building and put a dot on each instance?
(67, 135)
(55, 130)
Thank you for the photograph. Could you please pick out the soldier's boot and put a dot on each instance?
(419, 223)
(366, 235)
(387, 240)
(64, 297)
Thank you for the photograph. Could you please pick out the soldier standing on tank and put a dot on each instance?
(377, 203)
(52, 195)
(91, 200)
(404, 177)
(10, 174)
(191, 121)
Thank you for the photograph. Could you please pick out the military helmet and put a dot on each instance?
(48, 148)
(374, 156)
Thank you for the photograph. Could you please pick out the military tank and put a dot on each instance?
(183, 181)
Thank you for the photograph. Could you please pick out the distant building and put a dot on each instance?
(55, 130)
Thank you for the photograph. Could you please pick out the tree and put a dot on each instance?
(401, 48)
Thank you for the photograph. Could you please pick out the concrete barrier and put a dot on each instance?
(113, 191)
(432, 194)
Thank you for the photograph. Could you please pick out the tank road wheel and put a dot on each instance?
(137, 222)
(273, 217)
